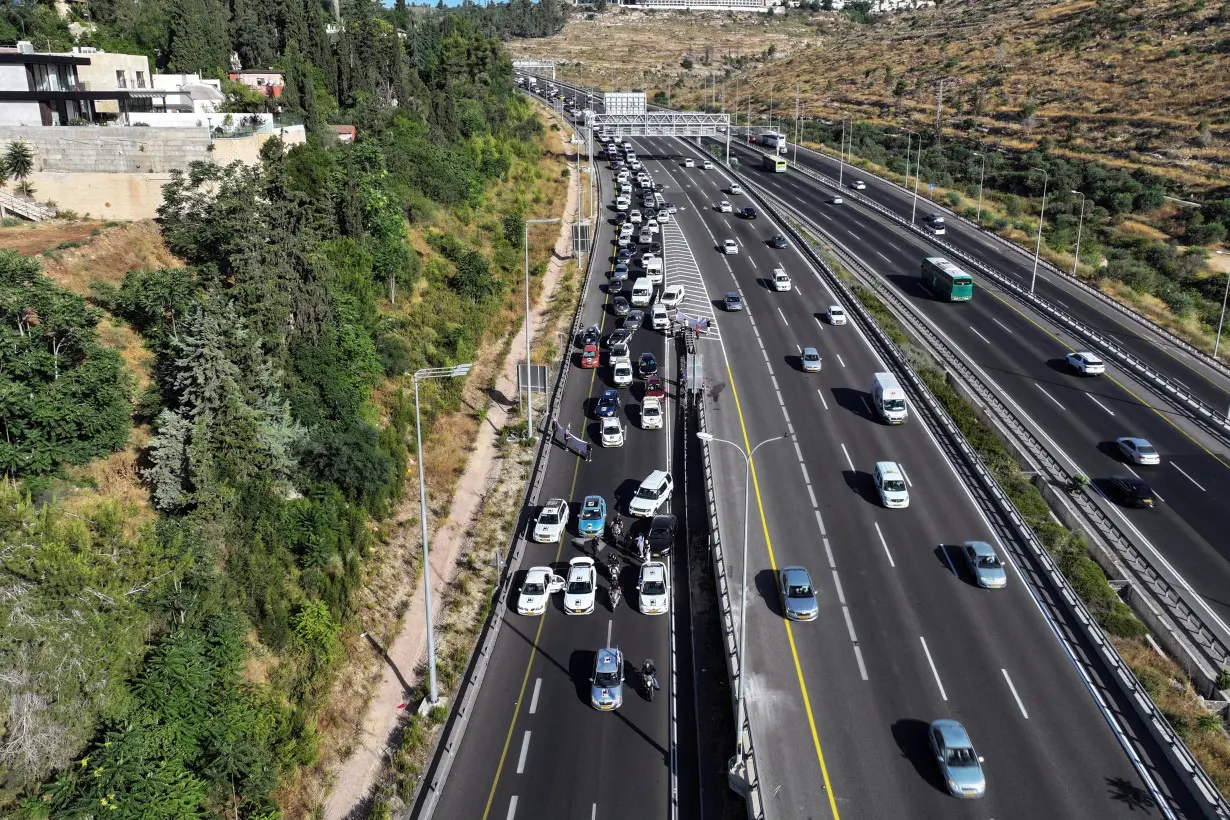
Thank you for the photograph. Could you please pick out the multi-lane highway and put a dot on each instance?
(535, 747)
(839, 707)
(1024, 355)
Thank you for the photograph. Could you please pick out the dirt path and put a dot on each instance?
(358, 773)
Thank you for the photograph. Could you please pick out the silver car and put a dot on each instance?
(606, 691)
(1138, 451)
(797, 593)
(985, 565)
(960, 765)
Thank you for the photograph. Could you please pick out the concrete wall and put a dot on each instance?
(111, 149)
(100, 195)
(100, 75)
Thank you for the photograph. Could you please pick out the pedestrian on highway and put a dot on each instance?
(640, 546)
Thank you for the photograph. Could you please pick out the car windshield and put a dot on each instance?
(648, 492)
(532, 588)
(650, 411)
(894, 404)
(894, 485)
(653, 587)
(798, 591)
(548, 519)
(580, 586)
(606, 679)
(811, 357)
(592, 514)
(988, 561)
(962, 758)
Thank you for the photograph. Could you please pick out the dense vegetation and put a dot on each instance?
(1174, 274)
(126, 665)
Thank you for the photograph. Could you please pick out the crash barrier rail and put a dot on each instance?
(1184, 631)
(1211, 419)
(750, 788)
(1170, 338)
(431, 786)
(986, 485)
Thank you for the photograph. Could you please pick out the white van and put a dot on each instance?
(889, 398)
(653, 270)
(659, 318)
(622, 203)
(642, 292)
(890, 482)
(625, 190)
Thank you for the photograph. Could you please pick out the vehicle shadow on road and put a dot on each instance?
(911, 738)
(580, 665)
(766, 588)
(854, 401)
(863, 485)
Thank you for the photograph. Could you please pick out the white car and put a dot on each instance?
(725, 207)
(651, 413)
(890, 482)
(646, 256)
(619, 353)
(858, 185)
(537, 587)
(730, 246)
(1088, 364)
(708, 165)
(652, 226)
(837, 200)
(836, 315)
(652, 591)
(664, 215)
(552, 519)
(645, 237)
(622, 374)
(781, 281)
(651, 494)
(612, 430)
(735, 190)
(581, 586)
(689, 163)
(635, 216)
(672, 296)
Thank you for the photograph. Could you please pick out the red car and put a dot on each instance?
(655, 388)
(589, 356)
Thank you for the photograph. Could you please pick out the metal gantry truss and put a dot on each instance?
(662, 123)
(539, 67)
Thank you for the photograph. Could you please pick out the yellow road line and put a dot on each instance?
(798, 669)
(512, 726)
(1110, 378)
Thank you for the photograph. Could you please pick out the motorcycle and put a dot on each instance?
(614, 595)
(612, 568)
(649, 679)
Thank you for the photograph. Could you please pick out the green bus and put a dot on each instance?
(775, 164)
(947, 280)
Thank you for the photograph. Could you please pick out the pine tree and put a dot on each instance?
(198, 35)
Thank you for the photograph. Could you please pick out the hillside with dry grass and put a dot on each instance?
(1139, 84)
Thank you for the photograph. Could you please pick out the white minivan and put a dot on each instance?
(642, 292)
(890, 482)
(653, 270)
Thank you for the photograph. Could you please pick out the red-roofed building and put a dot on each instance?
(265, 80)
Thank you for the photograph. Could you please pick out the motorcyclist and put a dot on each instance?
(649, 674)
(614, 593)
(612, 566)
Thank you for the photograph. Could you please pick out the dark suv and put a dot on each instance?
(661, 535)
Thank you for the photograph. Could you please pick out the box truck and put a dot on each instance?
(889, 398)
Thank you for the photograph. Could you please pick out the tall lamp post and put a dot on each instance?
(1080, 224)
(1038, 248)
(909, 142)
(1222, 320)
(981, 177)
(529, 391)
(422, 375)
(740, 706)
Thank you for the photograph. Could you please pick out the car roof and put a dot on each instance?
(608, 660)
(1134, 440)
(610, 392)
(837, 308)
(555, 502)
(888, 467)
(593, 499)
(980, 547)
(533, 572)
(607, 421)
(796, 574)
(810, 350)
(654, 568)
(656, 477)
(733, 295)
(1087, 356)
(661, 521)
(953, 734)
(577, 563)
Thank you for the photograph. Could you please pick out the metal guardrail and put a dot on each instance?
(938, 419)
(1177, 394)
(431, 787)
(1171, 338)
(752, 794)
(26, 207)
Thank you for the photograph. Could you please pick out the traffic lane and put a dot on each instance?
(1155, 351)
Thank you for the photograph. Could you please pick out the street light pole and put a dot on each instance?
(1217, 344)
(981, 177)
(1080, 224)
(917, 174)
(422, 375)
(841, 155)
(740, 706)
(1038, 248)
(529, 389)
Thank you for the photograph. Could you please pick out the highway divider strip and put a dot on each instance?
(943, 424)
(430, 788)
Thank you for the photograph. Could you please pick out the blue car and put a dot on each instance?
(608, 403)
(593, 516)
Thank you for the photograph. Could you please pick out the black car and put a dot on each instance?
(615, 337)
(778, 241)
(747, 213)
(648, 365)
(591, 336)
(634, 319)
(1131, 491)
(617, 282)
(624, 255)
(620, 306)
(621, 217)
(652, 247)
(661, 535)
